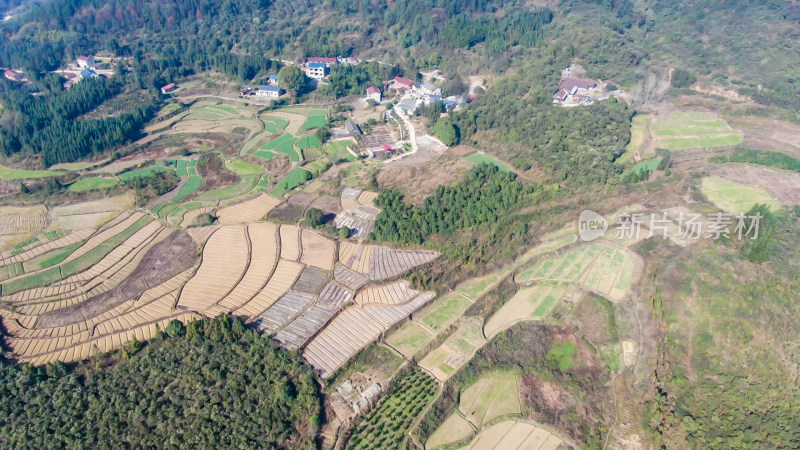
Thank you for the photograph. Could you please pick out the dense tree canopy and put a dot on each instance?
(217, 385)
(482, 196)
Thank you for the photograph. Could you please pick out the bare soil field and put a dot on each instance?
(783, 184)
(162, 261)
(419, 175)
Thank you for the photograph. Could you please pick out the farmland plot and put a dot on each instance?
(494, 395)
(311, 280)
(225, 259)
(300, 330)
(349, 278)
(532, 303)
(684, 129)
(248, 211)
(282, 279)
(409, 338)
(334, 295)
(516, 434)
(263, 259)
(290, 242)
(380, 263)
(317, 250)
(353, 329)
(283, 311)
(443, 361)
(388, 294)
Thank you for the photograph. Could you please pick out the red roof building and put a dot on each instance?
(13, 75)
(568, 84)
(403, 81)
(327, 61)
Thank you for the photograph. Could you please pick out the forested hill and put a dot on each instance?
(737, 44)
(210, 384)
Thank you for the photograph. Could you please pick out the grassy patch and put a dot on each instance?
(314, 122)
(409, 338)
(481, 158)
(274, 124)
(242, 187)
(494, 395)
(146, 172)
(293, 179)
(88, 184)
(241, 167)
(560, 355)
(264, 154)
(445, 311)
(691, 142)
(8, 173)
(735, 198)
(337, 151)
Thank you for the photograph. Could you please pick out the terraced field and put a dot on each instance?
(92, 183)
(124, 280)
(683, 129)
(600, 267)
(444, 360)
(532, 303)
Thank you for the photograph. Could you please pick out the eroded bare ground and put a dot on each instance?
(785, 185)
(769, 134)
(418, 181)
(163, 261)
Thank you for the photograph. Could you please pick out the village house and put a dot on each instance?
(327, 61)
(272, 80)
(169, 88)
(427, 88)
(352, 127)
(560, 95)
(85, 62)
(400, 83)
(349, 60)
(374, 93)
(269, 91)
(575, 91)
(13, 75)
(88, 73)
(317, 70)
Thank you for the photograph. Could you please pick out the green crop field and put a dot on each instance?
(75, 266)
(409, 338)
(245, 184)
(11, 270)
(690, 142)
(690, 129)
(315, 122)
(293, 179)
(287, 148)
(649, 164)
(192, 184)
(445, 311)
(337, 151)
(241, 167)
(8, 173)
(308, 141)
(146, 172)
(480, 158)
(385, 426)
(735, 198)
(264, 154)
(61, 255)
(88, 184)
(274, 124)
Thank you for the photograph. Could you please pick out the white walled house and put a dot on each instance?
(269, 91)
(374, 93)
(85, 62)
(317, 70)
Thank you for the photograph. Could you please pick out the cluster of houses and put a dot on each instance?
(318, 67)
(416, 94)
(270, 88)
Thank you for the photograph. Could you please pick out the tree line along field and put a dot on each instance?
(132, 277)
